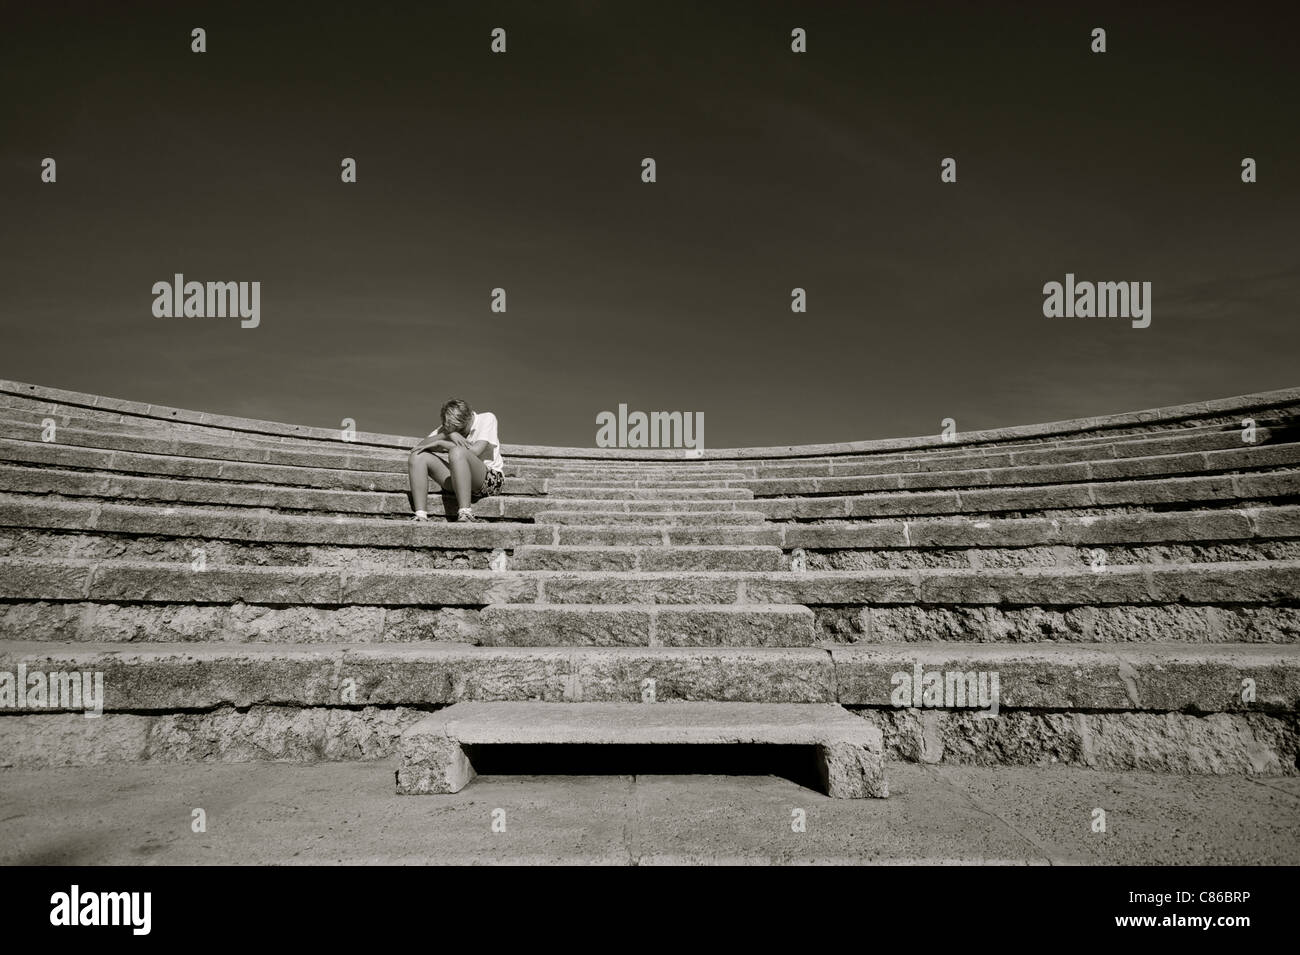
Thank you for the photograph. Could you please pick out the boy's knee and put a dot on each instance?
(457, 452)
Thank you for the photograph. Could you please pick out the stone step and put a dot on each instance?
(1016, 455)
(1226, 413)
(22, 511)
(918, 463)
(1002, 534)
(27, 418)
(849, 752)
(1264, 486)
(35, 527)
(133, 463)
(1270, 427)
(1236, 459)
(995, 534)
(1238, 583)
(150, 622)
(227, 493)
(640, 505)
(1150, 492)
(1147, 677)
(557, 487)
(1122, 707)
(649, 493)
(395, 482)
(188, 445)
(641, 625)
(641, 469)
(587, 517)
(339, 455)
(629, 535)
(552, 557)
(34, 480)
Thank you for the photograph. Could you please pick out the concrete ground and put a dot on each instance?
(270, 813)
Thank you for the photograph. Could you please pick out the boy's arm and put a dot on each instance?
(433, 442)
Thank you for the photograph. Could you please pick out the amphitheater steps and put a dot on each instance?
(52, 525)
(251, 589)
(1154, 707)
(23, 442)
(432, 756)
(1235, 583)
(611, 517)
(1153, 677)
(652, 493)
(1249, 601)
(763, 535)
(1257, 486)
(648, 625)
(629, 559)
(106, 485)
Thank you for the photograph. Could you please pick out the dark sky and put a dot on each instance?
(775, 170)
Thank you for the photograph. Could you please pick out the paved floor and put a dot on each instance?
(260, 813)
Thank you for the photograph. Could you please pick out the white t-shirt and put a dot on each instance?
(483, 428)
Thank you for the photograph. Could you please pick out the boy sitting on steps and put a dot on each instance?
(463, 456)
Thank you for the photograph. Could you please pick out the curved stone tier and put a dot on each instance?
(1120, 592)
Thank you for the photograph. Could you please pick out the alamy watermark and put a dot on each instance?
(1131, 300)
(75, 907)
(658, 429)
(36, 690)
(181, 299)
(950, 689)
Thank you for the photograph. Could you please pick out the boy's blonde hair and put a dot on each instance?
(456, 415)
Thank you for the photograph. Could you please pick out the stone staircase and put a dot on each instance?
(1118, 592)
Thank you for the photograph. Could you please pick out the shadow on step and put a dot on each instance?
(795, 763)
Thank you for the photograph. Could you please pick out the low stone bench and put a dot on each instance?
(849, 751)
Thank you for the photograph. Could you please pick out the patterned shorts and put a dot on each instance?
(491, 484)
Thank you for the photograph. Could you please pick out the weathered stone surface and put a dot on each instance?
(214, 584)
(647, 517)
(764, 625)
(702, 674)
(697, 495)
(645, 558)
(1086, 624)
(40, 741)
(849, 771)
(647, 625)
(1155, 677)
(1201, 525)
(652, 724)
(1265, 486)
(122, 581)
(813, 587)
(201, 676)
(30, 580)
(643, 588)
(1220, 743)
(33, 741)
(696, 557)
(1168, 491)
(429, 762)
(849, 751)
(437, 587)
(238, 622)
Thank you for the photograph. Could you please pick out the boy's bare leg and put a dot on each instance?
(468, 472)
(422, 466)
